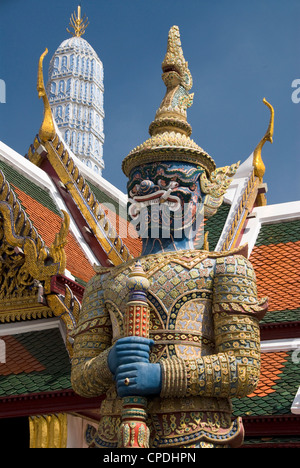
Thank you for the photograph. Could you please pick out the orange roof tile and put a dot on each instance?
(278, 275)
(271, 365)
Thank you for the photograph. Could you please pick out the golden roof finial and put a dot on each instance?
(47, 130)
(77, 23)
(259, 167)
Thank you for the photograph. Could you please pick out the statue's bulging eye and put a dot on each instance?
(134, 190)
(161, 183)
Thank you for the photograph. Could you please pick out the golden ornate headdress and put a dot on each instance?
(170, 132)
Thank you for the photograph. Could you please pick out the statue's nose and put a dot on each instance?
(146, 187)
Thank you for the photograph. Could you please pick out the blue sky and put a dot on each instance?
(239, 51)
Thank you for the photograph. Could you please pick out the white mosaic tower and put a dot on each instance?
(75, 91)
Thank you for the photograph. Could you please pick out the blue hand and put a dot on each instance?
(140, 378)
(129, 350)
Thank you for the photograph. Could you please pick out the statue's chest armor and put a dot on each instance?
(179, 296)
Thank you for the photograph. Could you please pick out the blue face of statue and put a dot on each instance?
(165, 203)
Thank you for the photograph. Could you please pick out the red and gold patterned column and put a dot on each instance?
(134, 432)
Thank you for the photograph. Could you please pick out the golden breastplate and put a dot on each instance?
(180, 297)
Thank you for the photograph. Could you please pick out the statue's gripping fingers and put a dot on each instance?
(129, 350)
(128, 360)
(140, 378)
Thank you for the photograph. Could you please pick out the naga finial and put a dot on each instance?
(77, 23)
(47, 130)
(259, 167)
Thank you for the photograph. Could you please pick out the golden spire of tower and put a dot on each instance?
(77, 23)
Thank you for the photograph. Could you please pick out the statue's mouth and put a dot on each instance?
(171, 69)
(160, 197)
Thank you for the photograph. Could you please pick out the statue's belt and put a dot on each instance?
(181, 337)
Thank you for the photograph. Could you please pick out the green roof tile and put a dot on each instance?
(276, 403)
(48, 348)
(282, 316)
(288, 231)
(215, 225)
(16, 179)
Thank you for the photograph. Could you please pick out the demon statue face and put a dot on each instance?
(165, 204)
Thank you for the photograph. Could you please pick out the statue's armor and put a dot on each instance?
(204, 321)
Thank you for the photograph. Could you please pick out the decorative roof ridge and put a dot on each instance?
(24, 166)
(100, 183)
(71, 180)
(47, 130)
(259, 167)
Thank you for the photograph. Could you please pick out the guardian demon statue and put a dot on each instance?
(172, 336)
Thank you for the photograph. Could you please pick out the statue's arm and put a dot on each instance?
(90, 373)
(233, 370)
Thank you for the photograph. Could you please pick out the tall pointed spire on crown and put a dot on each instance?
(170, 132)
(178, 80)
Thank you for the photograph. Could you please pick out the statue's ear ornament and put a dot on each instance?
(215, 187)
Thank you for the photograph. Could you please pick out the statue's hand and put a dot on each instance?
(139, 378)
(129, 350)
